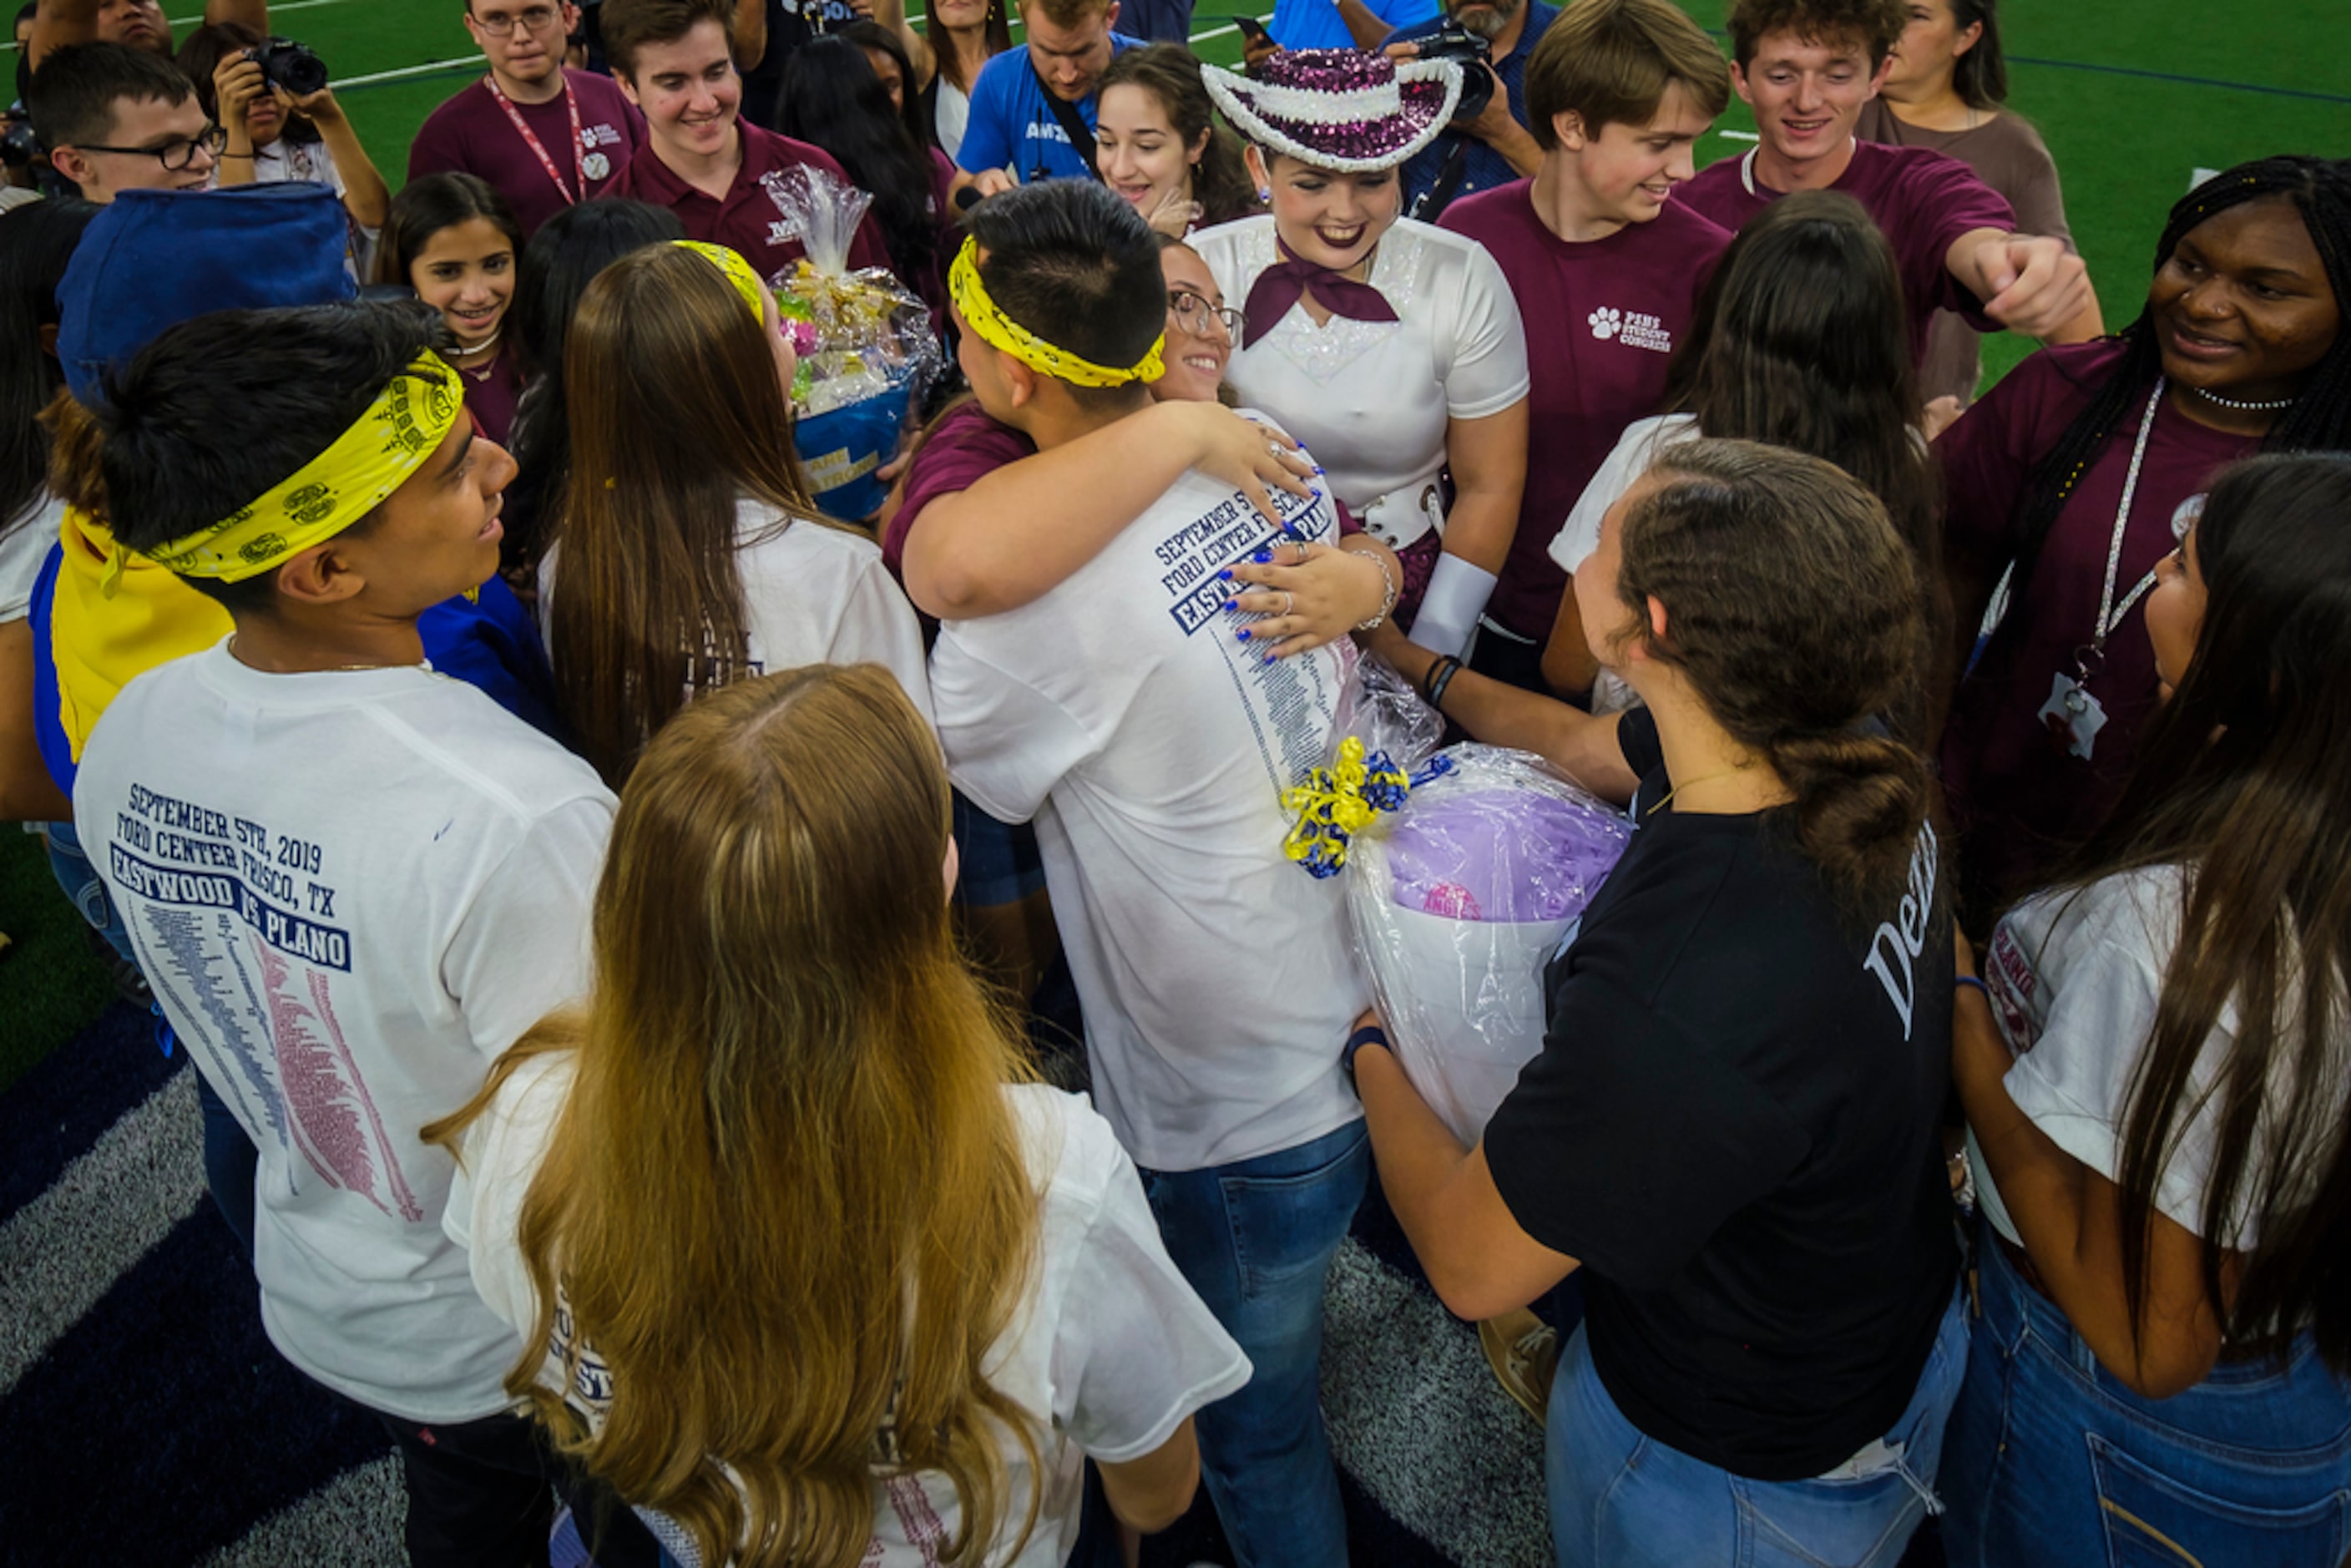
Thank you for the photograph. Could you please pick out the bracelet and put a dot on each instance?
(1440, 680)
(1388, 580)
(1370, 1034)
(1975, 981)
(1428, 676)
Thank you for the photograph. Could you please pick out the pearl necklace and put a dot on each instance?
(2242, 405)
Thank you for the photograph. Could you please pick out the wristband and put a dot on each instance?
(1442, 666)
(1975, 981)
(1370, 1034)
(1449, 611)
(1444, 678)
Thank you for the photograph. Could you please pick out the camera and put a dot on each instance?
(292, 66)
(1469, 51)
(19, 148)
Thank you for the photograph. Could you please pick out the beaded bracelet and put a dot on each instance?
(1388, 580)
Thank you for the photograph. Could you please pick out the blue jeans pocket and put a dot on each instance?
(1826, 1524)
(1284, 1226)
(2154, 1520)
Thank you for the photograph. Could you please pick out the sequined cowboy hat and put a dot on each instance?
(1342, 110)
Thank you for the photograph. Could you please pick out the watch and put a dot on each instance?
(1370, 1034)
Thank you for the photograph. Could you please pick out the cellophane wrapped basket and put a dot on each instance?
(867, 349)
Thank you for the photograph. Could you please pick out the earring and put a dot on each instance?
(1265, 192)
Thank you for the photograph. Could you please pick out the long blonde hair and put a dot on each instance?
(676, 412)
(785, 1203)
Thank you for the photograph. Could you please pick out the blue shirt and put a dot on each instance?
(1484, 168)
(1316, 24)
(1013, 126)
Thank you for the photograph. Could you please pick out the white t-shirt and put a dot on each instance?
(351, 892)
(1151, 748)
(1636, 449)
(950, 112)
(23, 549)
(1108, 1352)
(814, 594)
(1371, 399)
(2075, 978)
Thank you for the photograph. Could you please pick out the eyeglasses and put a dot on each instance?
(536, 19)
(173, 155)
(1193, 314)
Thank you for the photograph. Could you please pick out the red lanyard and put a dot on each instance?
(578, 156)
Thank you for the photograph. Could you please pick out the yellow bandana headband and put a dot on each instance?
(404, 425)
(737, 270)
(998, 331)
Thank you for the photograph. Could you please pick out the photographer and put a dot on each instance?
(1491, 145)
(248, 85)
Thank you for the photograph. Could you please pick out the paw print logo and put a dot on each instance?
(1605, 322)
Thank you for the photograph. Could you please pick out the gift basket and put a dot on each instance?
(867, 349)
(1464, 872)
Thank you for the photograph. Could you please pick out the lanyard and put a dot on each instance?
(579, 164)
(2109, 612)
(2088, 660)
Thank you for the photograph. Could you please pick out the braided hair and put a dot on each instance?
(2319, 418)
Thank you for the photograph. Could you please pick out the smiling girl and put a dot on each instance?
(453, 238)
(1157, 143)
(2081, 468)
(1391, 350)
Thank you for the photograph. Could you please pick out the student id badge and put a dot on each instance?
(2072, 715)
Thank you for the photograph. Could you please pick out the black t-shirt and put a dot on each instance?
(1734, 1125)
(791, 24)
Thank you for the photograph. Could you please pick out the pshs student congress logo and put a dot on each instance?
(1634, 329)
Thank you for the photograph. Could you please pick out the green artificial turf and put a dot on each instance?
(2131, 98)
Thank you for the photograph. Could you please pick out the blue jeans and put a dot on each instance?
(1622, 1498)
(1255, 1239)
(2054, 1462)
(85, 887)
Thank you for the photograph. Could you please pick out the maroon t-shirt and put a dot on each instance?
(472, 134)
(491, 393)
(748, 220)
(1611, 312)
(965, 447)
(2019, 800)
(1921, 200)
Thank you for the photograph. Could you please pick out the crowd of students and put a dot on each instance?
(603, 894)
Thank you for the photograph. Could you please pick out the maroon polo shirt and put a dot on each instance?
(471, 134)
(1612, 309)
(748, 220)
(1921, 200)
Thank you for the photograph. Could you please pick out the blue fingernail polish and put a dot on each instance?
(1268, 658)
(1230, 604)
(1263, 557)
(1241, 635)
(1226, 575)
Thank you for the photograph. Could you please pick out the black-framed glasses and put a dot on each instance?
(175, 154)
(1194, 314)
(530, 19)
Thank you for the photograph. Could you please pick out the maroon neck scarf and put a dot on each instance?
(1277, 288)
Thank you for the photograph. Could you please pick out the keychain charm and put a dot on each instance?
(2072, 717)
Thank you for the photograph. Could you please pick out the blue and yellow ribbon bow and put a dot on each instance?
(1337, 803)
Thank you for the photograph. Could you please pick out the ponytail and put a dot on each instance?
(1794, 608)
(1860, 797)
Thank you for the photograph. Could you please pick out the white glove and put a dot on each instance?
(1449, 609)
